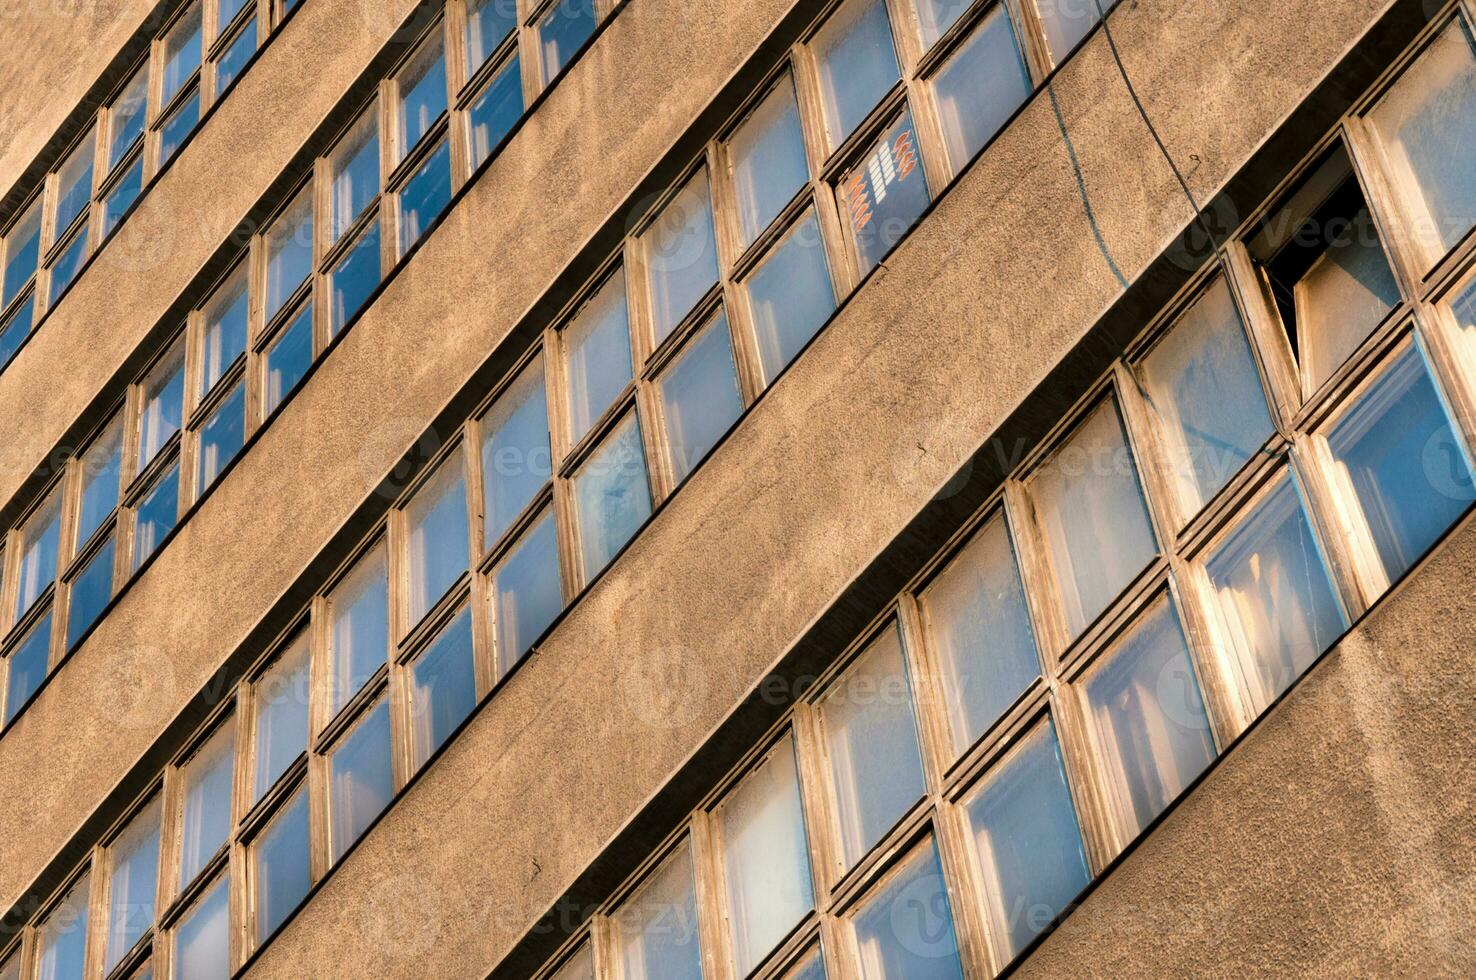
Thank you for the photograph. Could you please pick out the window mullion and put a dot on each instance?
(712, 935)
(1334, 508)
(1268, 340)
(1033, 38)
(966, 893)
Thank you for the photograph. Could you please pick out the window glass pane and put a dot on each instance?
(16, 330)
(361, 781)
(173, 134)
(359, 627)
(983, 82)
(1066, 22)
(355, 277)
(765, 857)
(28, 666)
(425, 196)
(22, 252)
(1399, 456)
(681, 256)
(283, 876)
(1345, 294)
(289, 358)
(157, 512)
(885, 193)
(871, 737)
(74, 183)
(936, 16)
(127, 116)
(1464, 308)
(422, 93)
(131, 883)
(443, 687)
(580, 966)
(281, 703)
(1201, 383)
(657, 926)
(516, 459)
(206, 820)
(812, 967)
(613, 495)
(526, 592)
(905, 930)
(1091, 511)
(122, 196)
(224, 337)
(221, 437)
(976, 617)
(437, 536)
(487, 23)
(791, 295)
(1029, 844)
(1149, 719)
(1277, 599)
(597, 343)
(92, 590)
(61, 941)
(355, 166)
(561, 32)
(699, 396)
(68, 264)
(38, 544)
(768, 159)
(163, 406)
(1425, 123)
(857, 63)
(228, 66)
(228, 11)
(182, 53)
(496, 110)
(289, 251)
(202, 939)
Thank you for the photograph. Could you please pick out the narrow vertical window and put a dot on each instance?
(443, 687)
(29, 663)
(657, 926)
(156, 515)
(231, 62)
(281, 703)
(612, 495)
(426, 195)
(494, 113)
(289, 253)
(67, 265)
(162, 409)
(436, 538)
(92, 590)
(22, 253)
(925, 948)
(122, 195)
(768, 163)
(283, 872)
(981, 84)
(580, 966)
(791, 295)
(74, 184)
(561, 32)
(132, 878)
(884, 194)
(1066, 22)
(177, 128)
(858, 65)
(288, 358)
(126, 116)
(934, 17)
(205, 817)
(39, 541)
(699, 396)
(182, 54)
(358, 611)
(422, 93)
(221, 437)
(355, 277)
(202, 940)
(516, 458)
(354, 163)
(223, 339)
(361, 781)
(526, 592)
(15, 329)
(61, 941)
(488, 23)
(597, 356)
(681, 256)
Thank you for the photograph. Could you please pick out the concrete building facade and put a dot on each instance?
(888, 488)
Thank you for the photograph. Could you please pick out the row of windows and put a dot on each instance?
(248, 345)
(191, 64)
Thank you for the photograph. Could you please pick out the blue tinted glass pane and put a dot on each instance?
(358, 627)
(598, 365)
(425, 196)
(22, 253)
(361, 781)
(225, 330)
(182, 52)
(658, 934)
(422, 94)
(1029, 844)
(355, 277)
(74, 184)
(526, 594)
(487, 23)
(289, 358)
(163, 407)
(61, 942)
(16, 329)
(516, 459)
(936, 16)
(91, 592)
(812, 967)
(178, 129)
(791, 295)
(289, 248)
(68, 265)
(122, 196)
(27, 668)
(443, 687)
(857, 63)
(495, 111)
(699, 394)
(613, 496)
(221, 437)
(38, 553)
(283, 876)
(202, 941)
(355, 164)
(230, 64)
(205, 817)
(281, 706)
(681, 255)
(1068, 21)
(128, 116)
(228, 11)
(562, 31)
(102, 467)
(768, 153)
(982, 84)
(1406, 464)
(905, 930)
(436, 521)
(157, 513)
(885, 193)
(131, 884)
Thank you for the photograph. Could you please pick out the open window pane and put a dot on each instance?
(92, 590)
(443, 687)
(1066, 22)
(1277, 599)
(288, 358)
(61, 941)
(74, 183)
(1426, 123)
(612, 494)
(1201, 384)
(361, 780)
(526, 592)
(495, 112)
(1027, 838)
(425, 196)
(1149, 719)
(699, 396)
(157, 513)
(177, 128)
(422, 93)
(436, 538)
(562, 31)
(488, 22)
(1404, 463)
(979, 625)
(857, 63)
(904, 931)
(982, 83)
(765, 857)
(884, 194)
(657, 926)
(182, 53)
(206, 815)
(224, 337)
(354, 163)
(126, 122)
(28, 666)
(791, 295)
(358, 611)
(221, 437)
(122, 196)
(22, 252)
(289, 253)
(202, 940)
(681, 256)
(598, 365)
(282, 714)
(516, 458)
(871, 737)
(355, 277)
(283, 874)
(1091, 510)
(39, 540)
(132, 879)
(768, 159)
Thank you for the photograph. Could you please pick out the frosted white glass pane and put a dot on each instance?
(358, 627)
(768, 159)
(361, 780)
(206, 819)
(283, 875)
(657, 927)
(905, 930)
(871, 736)
(681, 255)
(282, 713)
(1091, 510)
(61, 941)
(436, 524)
(613, 495)
(981, 85)
(443, 687)
(202, 939)
(516, 458)
(134, 873)
(699, 396)
(597, 342)
(857, 65)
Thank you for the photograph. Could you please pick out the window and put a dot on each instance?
(15, 330)
(29, 663)
(978, 623)
(177, 128)
(289, 253)
(157, 512)
(221, 437)
(281, 704)
(92, 590)
(22, 252)
(37, 544)
(232, 61)
(526, 592)
(1066, 22)
(74, 184)
(421, 90)
(934, 17)
(597, 356)
(126, 116)
(884, 194)
(227, 12)
(61, 942)
(283, 874)
(134, 874)
(811, 967)
(981, 85)
(358, 611)
(494, 113)
(205, 815)
(162, 407)
(657, 926)
(681, 256)
(361, 781)
(516, 458)
(791, 295)
(426, 195)
(1201, 384)
(488, 23)
(354, 164)
(443, 687)
(436, 538)
(288, 358)
(355, 277)
(561, 32)
(857, 65)
(700, 397)
(768, 160)
(182, 54)
(202, 940)
(122, 196)
(765, 858)
(871, 738)
(226, 326)
(1027, 840)
(904, 931)
(1463, 306)
(67, 265)
(612, 495)
(580, 966)
(1091, 511)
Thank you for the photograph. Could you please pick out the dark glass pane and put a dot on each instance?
(598, 365)
(699, 396)
(422, 88)
(425, 196)
(289, 358)
(157, 513)
(68, 265)
(61, 941)
(885, 193)
(487, 23)
(233, 61)
(355, 166)
(221, 437)
(356, 277)
(38, 542)
(22, 252)
(289, 252)
(681, 255)
(14, 332)
(496, 110)
(178, 129)
(28, 667)
(102, 466)
(122, 196)
(127, 117)
(92, 590)
(182, 53)
(562, 31)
